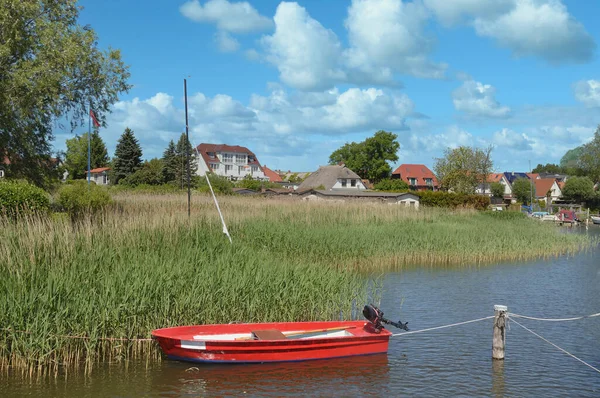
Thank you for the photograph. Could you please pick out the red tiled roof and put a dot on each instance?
(99, 169)
(273, 176)
(561, 184)
(418, 171)
(533, 176)
(542, 186)
(495, 177)
(203, 149)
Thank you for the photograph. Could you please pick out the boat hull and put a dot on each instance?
(595, 219)
(326, 340)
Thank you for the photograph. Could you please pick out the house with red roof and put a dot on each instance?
(99, 175)
(232, 161)
(417, 176)
(272, 175)
(547, 187)
(485, 189)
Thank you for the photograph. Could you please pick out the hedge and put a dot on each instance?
(453, 200)
(18, 197)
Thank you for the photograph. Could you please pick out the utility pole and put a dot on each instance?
(530, 188)
(187, 144)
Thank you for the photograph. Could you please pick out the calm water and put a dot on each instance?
(450, 362)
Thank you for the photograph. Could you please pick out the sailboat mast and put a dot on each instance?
(187, 144)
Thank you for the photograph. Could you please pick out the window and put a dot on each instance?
(241, 169)
(429, 181)
(228, 167)
(214, 166)
(254, 169)
(227, 158)
(240, 158)
(104, 179)
(352, 183)
(343, 182)
(211, 155)
(412, 181)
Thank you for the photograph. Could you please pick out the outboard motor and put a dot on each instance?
(375, 316)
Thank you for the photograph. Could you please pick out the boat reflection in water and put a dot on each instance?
(359, 375)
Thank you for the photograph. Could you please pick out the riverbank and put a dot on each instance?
(71, 288)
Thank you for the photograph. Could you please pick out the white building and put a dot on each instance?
(99, 175)
(233, 162)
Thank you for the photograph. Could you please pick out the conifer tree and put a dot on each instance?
(128, 156)
(77, 153)
(169, 163)
(181, 160)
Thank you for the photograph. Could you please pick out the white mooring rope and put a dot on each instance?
(551, 343)
(554, 319)
(442, 327)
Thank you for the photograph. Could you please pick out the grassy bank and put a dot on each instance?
(142, 265)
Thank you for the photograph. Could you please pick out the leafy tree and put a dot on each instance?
(571, 158)
(151, 173)
(76, 157)
(128, 156)
(497, 189)
(50, 68)
(391, 185)
(578, 189)
(589, 160)
(522, 190)
(180, 161)
(169, 161)
(548, 168)
(369, 159)
(462, 169)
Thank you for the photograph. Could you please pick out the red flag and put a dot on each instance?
(93, 115)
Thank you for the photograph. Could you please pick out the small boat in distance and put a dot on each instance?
(277, 342)
(595, 219)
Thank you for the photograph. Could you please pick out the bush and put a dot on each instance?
(80, 198)
(389, 185)
(453, 200)
(220, 184)
(18, 197)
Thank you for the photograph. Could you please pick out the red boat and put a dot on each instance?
(275, 342)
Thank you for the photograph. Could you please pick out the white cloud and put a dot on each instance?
(478, 99)
(305, 53)
(588, 92)
(455, 11)
(387, 37)
(542, 28)
(236, 17)
(226, 42)
(510, 139)
(252, 55)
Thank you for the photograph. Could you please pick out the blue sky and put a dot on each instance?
(295, 81)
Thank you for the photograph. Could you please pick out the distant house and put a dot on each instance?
(333, 177)
(512, 176)
(402, 199)
(558, 177)
(272, 175)
(417, 176)
(234, 162)
(485, 189)
(545, 187)
(99, 175)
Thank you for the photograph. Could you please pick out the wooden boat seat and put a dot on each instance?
(268, 334)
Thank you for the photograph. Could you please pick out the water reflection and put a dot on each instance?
(498, 378)
(357, 376)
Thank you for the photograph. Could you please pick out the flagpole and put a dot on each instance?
(89, 173)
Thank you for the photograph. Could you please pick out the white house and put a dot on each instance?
(333, 178)
(99, 175)
(545, 187)
(485, 189)
(233, 162)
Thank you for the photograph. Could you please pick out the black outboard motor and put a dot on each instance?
(375, 316)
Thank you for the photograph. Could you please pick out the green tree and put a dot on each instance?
(522, 190)
(128, 156)
(180, 162)
(151, 173)
(76, 157)
(462, 169)
(391, 185)
(497, 189)
(589, 160)
(578, 189)
(50, 68)
(548, 168)
(369, 158)
(571, 158)
(169, 161)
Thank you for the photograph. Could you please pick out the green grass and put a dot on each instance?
(142, 265)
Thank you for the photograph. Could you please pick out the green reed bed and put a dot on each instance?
(67, 289)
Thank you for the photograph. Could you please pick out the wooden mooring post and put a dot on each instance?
(499, 339)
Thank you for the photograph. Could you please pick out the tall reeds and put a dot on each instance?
(77, 293)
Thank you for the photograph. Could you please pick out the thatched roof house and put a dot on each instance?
(333, 177)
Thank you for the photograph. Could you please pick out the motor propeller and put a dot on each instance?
(375, 316)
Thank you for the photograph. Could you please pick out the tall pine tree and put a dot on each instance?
(128, 156)
(169, 163)
(181, 161)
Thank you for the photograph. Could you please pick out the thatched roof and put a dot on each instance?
(327, 176)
